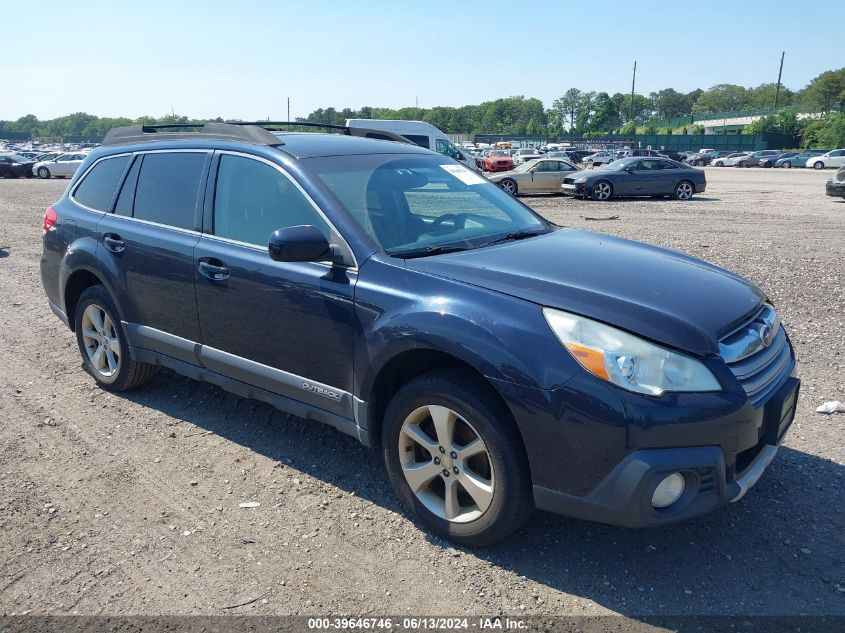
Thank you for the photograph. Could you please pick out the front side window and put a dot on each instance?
(97, 188)
(253, 199)
(445, 147)
(418, 203)
(168, 186)
(64, 158)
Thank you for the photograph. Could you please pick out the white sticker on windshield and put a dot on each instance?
(466, 176)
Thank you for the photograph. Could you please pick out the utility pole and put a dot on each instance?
(633, 83)
(780, 73)
(288, 109)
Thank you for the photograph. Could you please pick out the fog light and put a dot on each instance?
(668, 491)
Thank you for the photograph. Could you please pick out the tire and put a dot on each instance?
(601, 191)
(742, 163)
(499, 476)
(818, 165)
(113, 368)
(43, 172)
(7, 173)
(787, 164)
(718, 163)
(510, 186)
(684, 190)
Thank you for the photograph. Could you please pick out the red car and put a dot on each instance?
(498, 160)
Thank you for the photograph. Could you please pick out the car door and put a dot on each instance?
(544, 177)
(837, 158)
(647, 178)
(62, 166)
(286, 327)
(148, 242)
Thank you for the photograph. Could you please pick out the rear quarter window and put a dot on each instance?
(168, 186)
(99, 184)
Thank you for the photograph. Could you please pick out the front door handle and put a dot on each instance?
(114, 243)
(213, 272)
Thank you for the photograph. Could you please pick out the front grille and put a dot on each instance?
(757, 367)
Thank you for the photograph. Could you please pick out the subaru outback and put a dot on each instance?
(499, 362)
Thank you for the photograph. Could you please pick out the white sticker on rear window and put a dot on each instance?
(463, 174)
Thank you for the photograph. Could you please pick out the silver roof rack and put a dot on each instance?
(187, 131)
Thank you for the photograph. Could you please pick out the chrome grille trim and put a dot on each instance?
(758, 368)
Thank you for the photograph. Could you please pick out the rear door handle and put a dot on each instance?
(114, 243)
(215, 273)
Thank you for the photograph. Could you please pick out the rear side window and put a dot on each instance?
(422, 141)
(127, 191)
(97, 188)
(167, 188)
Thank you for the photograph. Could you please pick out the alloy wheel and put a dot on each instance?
(509, 186)
(601, 191)
(446, 464)
(43, 173)
(99, 336)
(684, 191)
(787, 164)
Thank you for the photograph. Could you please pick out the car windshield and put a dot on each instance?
(17, 158)
(617, 165)
(418, 204)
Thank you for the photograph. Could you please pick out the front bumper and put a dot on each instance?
(598, 453)
(835, 188)
(576, 189)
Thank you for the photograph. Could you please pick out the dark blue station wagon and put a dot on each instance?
(498, 361)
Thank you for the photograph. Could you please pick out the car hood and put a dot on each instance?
(654, 292)
(513, 173)
(587, 173)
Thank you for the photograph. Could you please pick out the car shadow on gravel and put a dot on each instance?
(777, 551)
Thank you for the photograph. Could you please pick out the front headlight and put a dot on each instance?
(581, 179)
(627, 360)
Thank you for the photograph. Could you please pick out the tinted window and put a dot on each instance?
(422, 141)
(127, 191)
(167, 188)
(97, 188)
(253, 199)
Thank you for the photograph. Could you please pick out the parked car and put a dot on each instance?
(753, 159)
(544, 175)
(498, 361)
(524, 154)
(671, 155)
(498, 160)
(706, 157)
(47, 156)
(636, 177)
(800, 160)
(63, 166)
(637, 152)
(597, 159)
(15, 166)
(770, 161)
(834, 158)
(836, 185)
(731, 160)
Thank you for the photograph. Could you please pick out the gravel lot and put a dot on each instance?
(128, 504)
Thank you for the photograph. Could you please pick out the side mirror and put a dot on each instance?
(299, 244)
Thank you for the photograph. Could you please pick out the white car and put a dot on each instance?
(62, 166)
(835, 158)
(732, 160)
(599, 158)
(525, 154)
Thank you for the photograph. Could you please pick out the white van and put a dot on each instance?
(422, 133)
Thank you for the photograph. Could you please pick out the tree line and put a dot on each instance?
(586, 113)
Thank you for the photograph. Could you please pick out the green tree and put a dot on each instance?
(722, 97)
(825, 133)
(567, 107)
(826, 92)
(783, 121)
(669, 103)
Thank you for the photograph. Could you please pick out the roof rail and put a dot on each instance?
(345, 129)
(245, 133)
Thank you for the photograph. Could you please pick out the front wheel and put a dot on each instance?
(787, 164)
(102, 343)
(602, 191)
(43, 172)
(818, 165)
(742, 163)
(509, 185)
(684, 190)
(455, 458)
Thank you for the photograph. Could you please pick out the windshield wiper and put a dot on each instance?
(513, 235)
(428, 250)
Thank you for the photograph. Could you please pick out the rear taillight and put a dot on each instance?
(50, 218)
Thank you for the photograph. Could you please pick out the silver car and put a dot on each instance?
(544, 175)
(63, 166)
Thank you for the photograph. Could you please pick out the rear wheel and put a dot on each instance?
(787, 164)
(818, 165)
(742, 163)
(455, 459)
(509, 185)
(684, 190)
(102, 343)
(43, 172)
(602, 191)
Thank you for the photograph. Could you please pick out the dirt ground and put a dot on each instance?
(128, 504)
